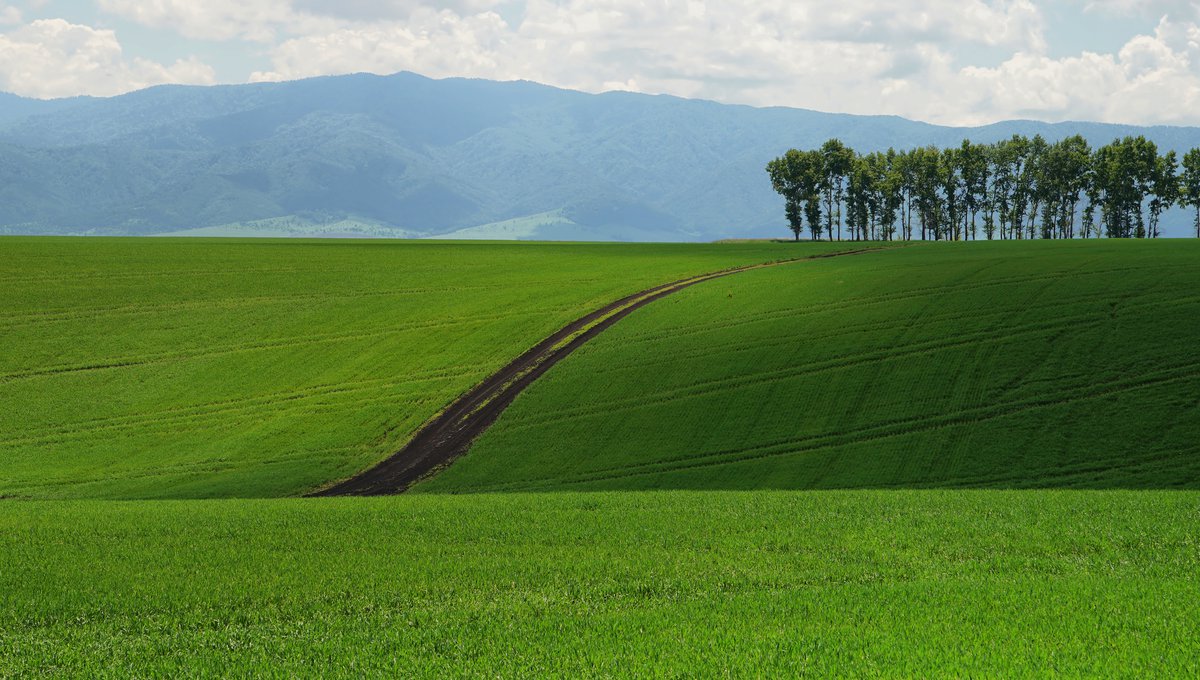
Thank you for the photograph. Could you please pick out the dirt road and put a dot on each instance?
(450, 433)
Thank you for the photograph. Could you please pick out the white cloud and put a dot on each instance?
(841, 55)
(267, 20)
(685, 47)
(254, 20)
(437, 43)
(1155, 9)
(55, 58)
(374, 10)
(947, 61)
(1152, 79)
(9, 15)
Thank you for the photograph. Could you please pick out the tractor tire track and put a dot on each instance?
(449, 434)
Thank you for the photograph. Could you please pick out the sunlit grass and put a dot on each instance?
(184, 368)
(899, 583)
(1036, 364)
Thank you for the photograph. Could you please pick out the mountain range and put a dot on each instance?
(408, 156)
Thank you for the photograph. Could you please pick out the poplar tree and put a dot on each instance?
(1023, 188)
(837, 160)
(1164, 188)
(785, 180)
(1189, 184)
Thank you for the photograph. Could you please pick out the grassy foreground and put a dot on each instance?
(195, 368)
(777, 584)
(179, 369)
(1013, 365)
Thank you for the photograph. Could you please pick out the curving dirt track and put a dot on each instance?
(448, 435)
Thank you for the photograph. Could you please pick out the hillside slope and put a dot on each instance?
(1032, 364)
(184, 368)
(405, 155)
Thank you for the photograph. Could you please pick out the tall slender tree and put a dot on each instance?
(889, 197)
(785, 180)
(1022, 188)
(905, 178)
(927, 181)
(1006, 163)
(1064, 175)
(797, 176)
(1033, 188)
(837, 164)
(950, 181)
(974, 172)
(1164, 188)
(1189, 185)
(859, 186)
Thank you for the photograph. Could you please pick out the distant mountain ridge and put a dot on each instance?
(405, 155)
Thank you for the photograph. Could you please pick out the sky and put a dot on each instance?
(954, 62)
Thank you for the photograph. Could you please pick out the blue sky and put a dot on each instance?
(959, 62)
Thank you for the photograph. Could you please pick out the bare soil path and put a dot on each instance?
(449, 434)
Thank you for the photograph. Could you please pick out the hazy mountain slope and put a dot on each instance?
(426, 156)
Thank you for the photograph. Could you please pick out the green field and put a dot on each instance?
(1047, 364)
(963, 583)
(187, 368)
(759, 476)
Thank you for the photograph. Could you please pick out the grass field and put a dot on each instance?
(912, 584)
(680, 526)
(1047, 364)
(188, 368)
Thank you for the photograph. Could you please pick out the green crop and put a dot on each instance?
(176, 369)
(674, 584)
(1038, 364)
(197, 368)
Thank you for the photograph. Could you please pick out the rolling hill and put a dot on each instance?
(176, 368)
(404, 155)
(1013, 365)
(197, 368)
(690, 480)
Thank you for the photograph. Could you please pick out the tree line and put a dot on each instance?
(1018, 188)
